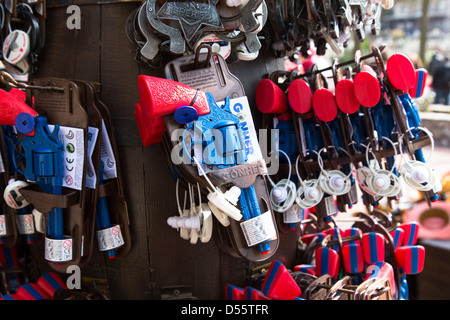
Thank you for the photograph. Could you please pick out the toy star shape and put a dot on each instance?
(191, 15)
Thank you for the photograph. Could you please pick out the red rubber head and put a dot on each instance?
(270, 98)
(324, 105)
(345, 96)
(367, 89)
(300, 96)
(400, 71)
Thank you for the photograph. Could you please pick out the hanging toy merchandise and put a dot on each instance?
(380, 181)
(417, 174)
(283, 192)
(309, 194)
(333, 182)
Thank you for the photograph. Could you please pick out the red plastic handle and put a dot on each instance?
(159, 96)
(278, 283)
(327, 262)
(373, 245)
(11, 105)
(150, 131)
(411, 258)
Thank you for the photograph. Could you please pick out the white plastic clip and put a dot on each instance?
(308, 194)
(382, 182)
(420, 175)
(333, 182)
(12, 195)
(225, 202)
(282, 195)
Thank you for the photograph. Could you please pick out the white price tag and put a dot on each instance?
(91, 176)
(259, 229)
(58, 250)
(107, 156)
(2, 225)
(25, 223)
(109, 238)
(293, 215)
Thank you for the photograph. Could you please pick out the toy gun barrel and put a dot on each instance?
(102, 217)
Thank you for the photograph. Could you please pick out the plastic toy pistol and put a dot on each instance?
(43, 153)
(44, 165)
(219, 133)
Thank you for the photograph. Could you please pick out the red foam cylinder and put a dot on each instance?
(400, 71)
(159, 96)
(324, 105)
(234, 293)
(300, 96)
(373, 245)
(270, 98)
(367, 89)
(50, 283)
(345, 96)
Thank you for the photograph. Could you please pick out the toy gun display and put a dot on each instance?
(215, 136)
(43, 154)
(54, 160)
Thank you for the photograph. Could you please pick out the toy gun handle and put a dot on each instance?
(413, 119)
(383, 121)
(312, 135)
(44, 161)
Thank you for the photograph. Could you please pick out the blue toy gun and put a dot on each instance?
(44, 165)
(229, 139)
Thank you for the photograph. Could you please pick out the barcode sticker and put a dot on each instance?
(58, 250)
(259, 229)
(25, 223)
(109, 238)
(293, 215)
(2, 225)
